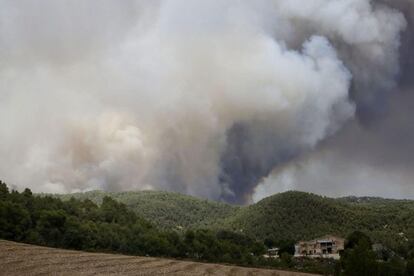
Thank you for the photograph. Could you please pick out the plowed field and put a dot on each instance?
(23, 259)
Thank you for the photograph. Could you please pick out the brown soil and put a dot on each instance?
(23, 259)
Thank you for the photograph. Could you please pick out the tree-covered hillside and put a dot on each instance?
(166, 210)
(113, 227)
(211, 231)
(298, 215)
(292, 215)
(284, 216)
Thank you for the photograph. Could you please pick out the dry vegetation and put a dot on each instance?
(24, 259)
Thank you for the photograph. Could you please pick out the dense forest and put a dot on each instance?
(165, 209)
(98, 221)
(284, 216)
(299, 215)
(113, 227)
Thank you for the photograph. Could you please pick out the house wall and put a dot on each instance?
(328, 245)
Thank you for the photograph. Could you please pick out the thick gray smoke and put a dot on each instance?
(198, 97)
(372, 155)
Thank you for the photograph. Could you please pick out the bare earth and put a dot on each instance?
(23, 259)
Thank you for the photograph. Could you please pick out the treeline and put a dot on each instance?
(112, 227)
(290, 215)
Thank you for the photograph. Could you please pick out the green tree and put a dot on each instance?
(269, 242)
(409, 270)
(395, 266)
(51, 227)
(14, 221)
(356, 238)
(4, 191)
(286, 246)
(358, 257)
(287, 260)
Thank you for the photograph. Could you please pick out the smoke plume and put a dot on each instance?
(199, 97)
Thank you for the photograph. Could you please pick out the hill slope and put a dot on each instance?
(292, 215)
(297, 215)
(166, 210)
(289, 215)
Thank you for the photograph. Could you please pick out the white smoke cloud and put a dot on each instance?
(142, 94)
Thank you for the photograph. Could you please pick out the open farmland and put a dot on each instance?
(24, 259)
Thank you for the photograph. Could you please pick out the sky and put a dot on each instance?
(228, 100)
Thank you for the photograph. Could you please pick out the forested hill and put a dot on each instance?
(298, 215)
(289, 215)
(165, 209)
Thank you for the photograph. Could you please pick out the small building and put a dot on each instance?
(272, 253)
(323, 247)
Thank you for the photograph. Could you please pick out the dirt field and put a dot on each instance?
(23, 259)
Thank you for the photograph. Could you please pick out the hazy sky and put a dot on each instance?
(229, 100)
